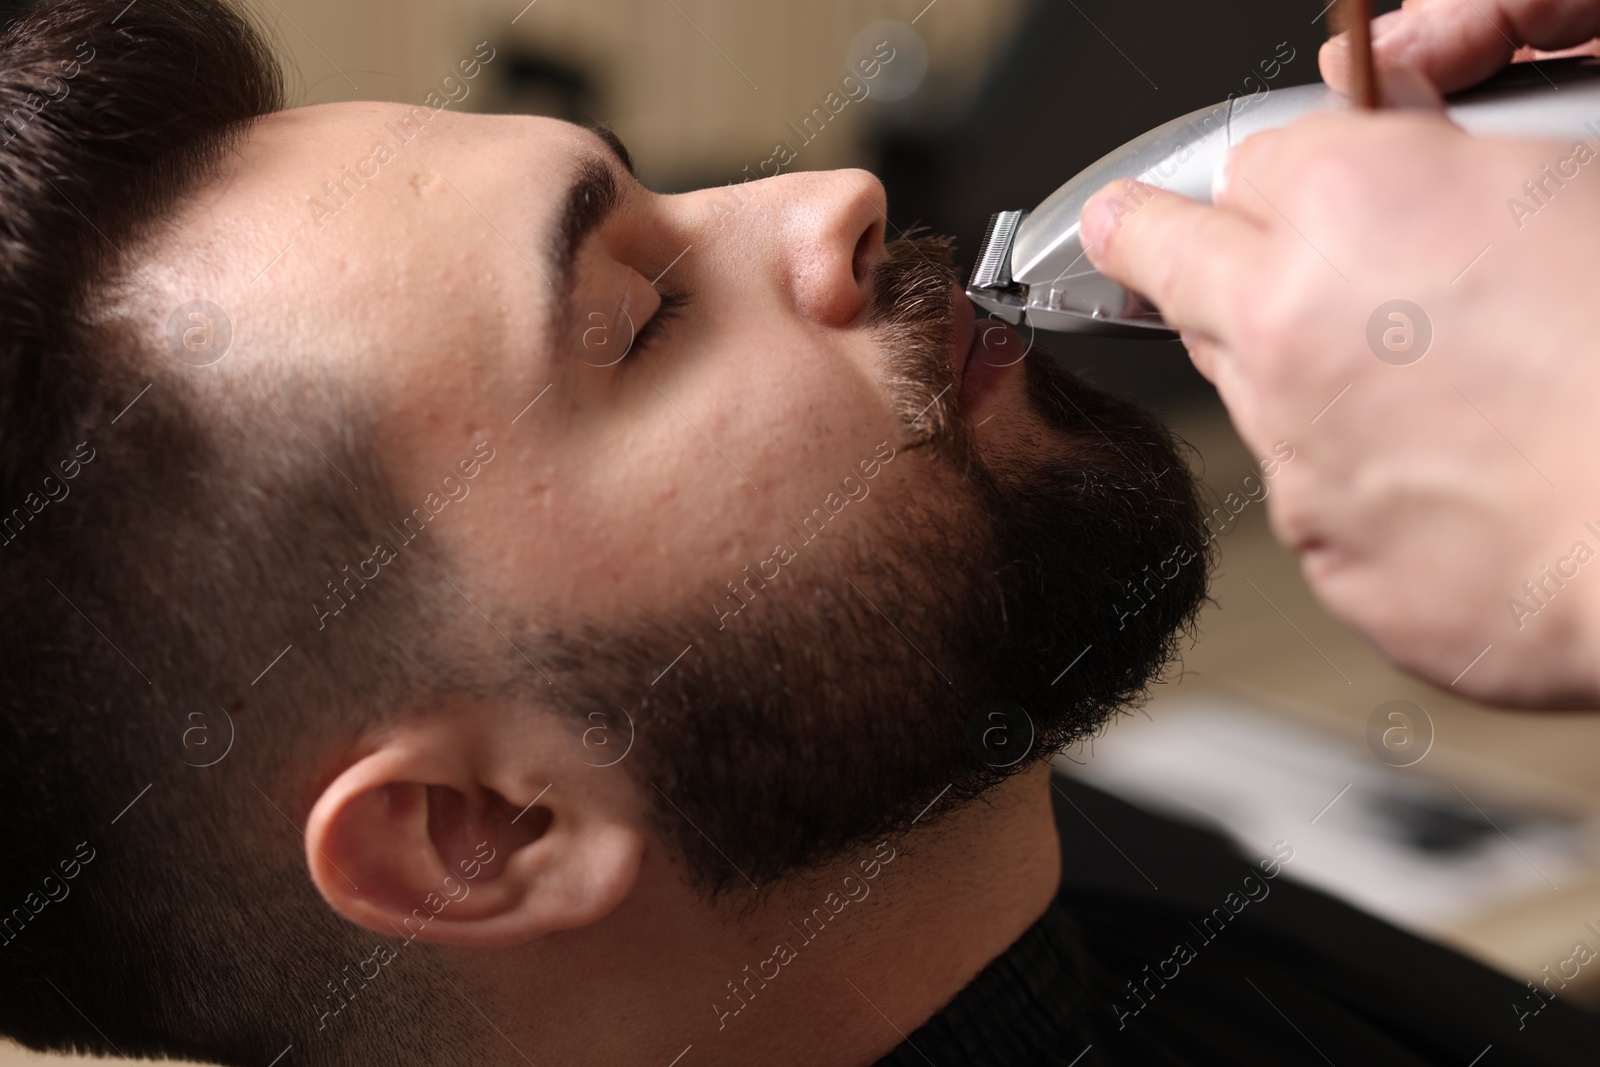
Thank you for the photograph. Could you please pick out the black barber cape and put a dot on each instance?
(1268, 972)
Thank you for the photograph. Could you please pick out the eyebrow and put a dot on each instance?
(592, 197)
(618, 149)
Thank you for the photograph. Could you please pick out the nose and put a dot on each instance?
(832, 236)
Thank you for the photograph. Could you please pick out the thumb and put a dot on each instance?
(1185, 257)
(1334, 57)
(1408, 88)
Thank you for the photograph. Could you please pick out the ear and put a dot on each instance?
(468, 829)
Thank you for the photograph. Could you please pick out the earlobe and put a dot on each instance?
(436, 838)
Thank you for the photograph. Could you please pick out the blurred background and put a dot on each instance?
(1478, 828)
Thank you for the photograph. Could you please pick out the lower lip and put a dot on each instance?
(996, 350)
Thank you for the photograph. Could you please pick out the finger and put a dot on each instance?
(1588, 48)
(1202, 353)
(1219, 367)
(1407, 87)
(1334, 55)
(1189, 259)
(1233, 385)
(1458, 43)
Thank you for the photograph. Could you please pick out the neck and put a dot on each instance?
(836, 969)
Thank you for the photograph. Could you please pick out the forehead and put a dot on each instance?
(344, 185)
(302, 142)
(364, 234)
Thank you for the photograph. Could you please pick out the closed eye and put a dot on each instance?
(672, 305)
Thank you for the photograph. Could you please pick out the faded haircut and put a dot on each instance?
(160, 551)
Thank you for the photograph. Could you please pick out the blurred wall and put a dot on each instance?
(699, 89)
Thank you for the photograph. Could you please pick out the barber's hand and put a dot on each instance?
(1433, 475)
(1458, 43)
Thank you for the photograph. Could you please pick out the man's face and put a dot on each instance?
(435, 292)
(760, 485)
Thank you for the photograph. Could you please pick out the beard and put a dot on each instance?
(985, 614)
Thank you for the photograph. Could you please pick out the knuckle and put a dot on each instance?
(1267, 323)
(1325, 183)
(1247, 162)
(1170, 272)
(1256, 152)
(1539, 16)
(1237, 306)
(1293, 521)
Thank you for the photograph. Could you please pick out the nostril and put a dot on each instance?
(861, 261)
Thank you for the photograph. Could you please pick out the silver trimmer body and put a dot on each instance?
(1031, 268)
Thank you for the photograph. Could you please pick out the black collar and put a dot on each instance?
(1023, 1010)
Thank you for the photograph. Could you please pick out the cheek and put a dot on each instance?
(672, 493)
(796, 413)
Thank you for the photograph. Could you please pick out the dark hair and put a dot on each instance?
(159, 551)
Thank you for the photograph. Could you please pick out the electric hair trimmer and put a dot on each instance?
(1031, 267)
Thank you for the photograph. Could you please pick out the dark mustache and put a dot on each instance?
(912, 314)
